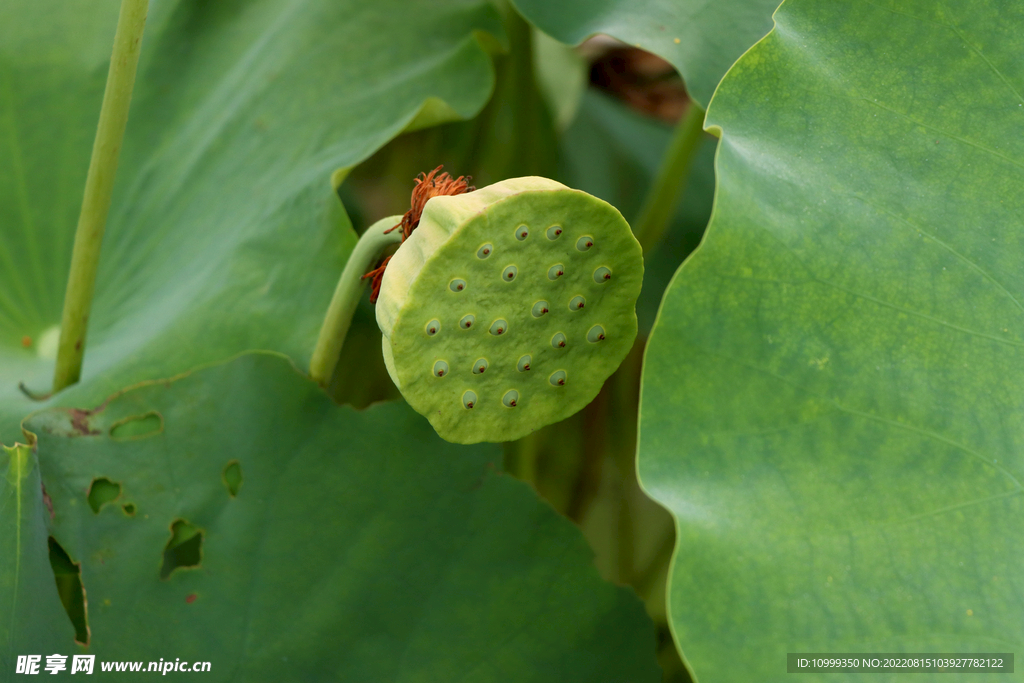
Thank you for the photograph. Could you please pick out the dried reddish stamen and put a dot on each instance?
(428, 185)
(378, 275)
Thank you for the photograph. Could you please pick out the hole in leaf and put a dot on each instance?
(524, 363)
(556, 271)
(469, 400)
(540, 308)
(498, 327)
(457, 285)
(596, 334)
(557, 378)
(602, 275)
(522, 232)
(484, 251)
(440, 369)
(584, 243)
(101, 492)
(432, 327)
(510, 273)
(467, 321)
(129, 509)
(68, 576)
(137, 426)
(511, 398)
(185, 549)
(577, 303)
(232, 477)
(479, 366)
(554, 232)
(558, 341)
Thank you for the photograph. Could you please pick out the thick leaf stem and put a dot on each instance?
(671, 179)
(99, 186)
(346, 297)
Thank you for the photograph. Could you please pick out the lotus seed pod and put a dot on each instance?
(508, 307)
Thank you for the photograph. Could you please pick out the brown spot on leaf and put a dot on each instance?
(80, 421)
(47, 501)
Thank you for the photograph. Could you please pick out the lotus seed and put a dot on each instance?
(510, 274)
(556, 271)
(558, 341)
(511, 398)
(457, 285)
(499, 326)
(485, 250)
(469, 399)
(479, 366)
(467, 321)
(602, 274)
(577, 303)
(440, 368)
(524, 363)
(557, 378)
(540, 308)
(554, 232)
(595, 334)
(433, 327)
(584, 243)
(522, 232)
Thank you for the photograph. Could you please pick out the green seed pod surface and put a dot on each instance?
(547, 307)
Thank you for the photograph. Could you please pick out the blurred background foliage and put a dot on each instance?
(598, 117)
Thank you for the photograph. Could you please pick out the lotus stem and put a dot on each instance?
(347, 294)
(671, 179)
(99, 186)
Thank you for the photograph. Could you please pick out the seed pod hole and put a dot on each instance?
(540, 308)
(498, 327)
(602, 274)
(557, 378)
(522, 232)
(485, 250)
(432, 327)
(457, 285)
(509, 273)
(554, 232)
(558, 341)
(595, 334)
(584, 243)
(511, 398)
(577, 303)
(524, 363)
(468, 400)
(556, 271)
(479, 366)
(440, 369)
(467, 321)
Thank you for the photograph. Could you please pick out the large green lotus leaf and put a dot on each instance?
(358, 546)
(832, 402)
(224, 232)
(700, 38)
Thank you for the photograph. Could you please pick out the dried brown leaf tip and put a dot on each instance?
(428, 185)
